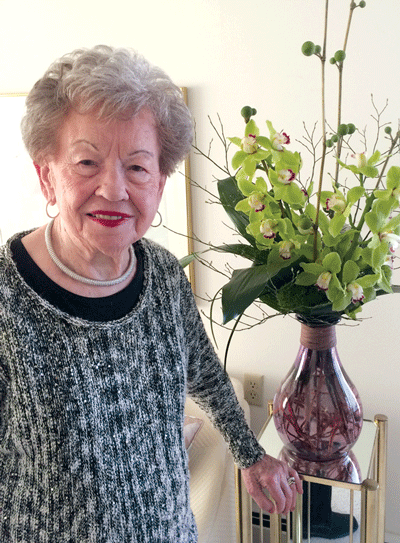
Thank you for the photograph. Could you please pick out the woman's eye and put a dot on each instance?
(87, 162)
(136, 168)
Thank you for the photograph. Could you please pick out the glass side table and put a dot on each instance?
(364, 471)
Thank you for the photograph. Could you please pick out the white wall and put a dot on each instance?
(231, 53)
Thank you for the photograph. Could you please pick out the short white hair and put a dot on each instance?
(117, 84)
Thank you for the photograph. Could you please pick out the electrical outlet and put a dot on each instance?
(253, 389)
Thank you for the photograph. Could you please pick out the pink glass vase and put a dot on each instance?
(317, 410)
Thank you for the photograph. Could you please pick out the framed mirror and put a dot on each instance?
(22, 205)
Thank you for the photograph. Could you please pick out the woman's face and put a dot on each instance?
(105, 179)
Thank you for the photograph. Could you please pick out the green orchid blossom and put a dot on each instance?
(278, 218)
(364, 167)
(318, 253)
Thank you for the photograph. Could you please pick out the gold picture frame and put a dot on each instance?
(22, 205)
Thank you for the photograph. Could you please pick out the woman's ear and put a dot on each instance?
(161, 186)
(43, 172)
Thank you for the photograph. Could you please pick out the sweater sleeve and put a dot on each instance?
(209, 385)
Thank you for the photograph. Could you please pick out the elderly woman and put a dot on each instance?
(101, 337)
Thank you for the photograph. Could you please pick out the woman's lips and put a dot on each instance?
(110, 219)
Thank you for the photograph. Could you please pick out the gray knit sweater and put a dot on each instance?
(91, 414)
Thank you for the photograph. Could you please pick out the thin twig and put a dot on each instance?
(321, 174)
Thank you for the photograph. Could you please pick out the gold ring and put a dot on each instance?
(291, 481)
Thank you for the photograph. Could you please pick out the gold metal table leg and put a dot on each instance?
(298, 520)
(382, 422)
(243, 511)
(369, 496)
(351, 526)
(275, 528)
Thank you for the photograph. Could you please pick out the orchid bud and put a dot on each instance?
(340, 55)
(246, 112)
(308, 48)
(342, 130)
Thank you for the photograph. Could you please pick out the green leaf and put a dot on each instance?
(368, 280)
(337, 295)
(251, 128)
(355, 194)
(288, 160)
(384, 282)
(372, 221)
(230, 195)
(377, 217)
(312, 268)
(238, 159)
(305, 279)
(336, 224)
(374, 158)
(244, 287)
(291, 194)
(350, 271)
(236, 141)
(332, 262)
(393, 177)
(384, 194)
(243, 206)
(271, 129)
(341, 302)
(240, 249)
(369, 171)
(186, 260)
(393, 223)
(261, 185)
(264, 142)
(369, 294)
(249, 165)
(245, 186)
(379, 255)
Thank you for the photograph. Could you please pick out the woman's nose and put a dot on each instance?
(112, 184)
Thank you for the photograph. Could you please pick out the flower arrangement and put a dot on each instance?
(319, 252)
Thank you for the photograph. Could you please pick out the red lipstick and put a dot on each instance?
(110, 219)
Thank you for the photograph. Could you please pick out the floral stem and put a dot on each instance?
(321, 173)
(340, 93)
(352, 8)
(393, 145)
(229, 341)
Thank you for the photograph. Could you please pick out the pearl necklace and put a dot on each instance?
(86, 280)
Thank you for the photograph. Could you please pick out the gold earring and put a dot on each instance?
(47, 211)
(159, 224)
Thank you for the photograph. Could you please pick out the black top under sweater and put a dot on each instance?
(91, 412)
(104, 309)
